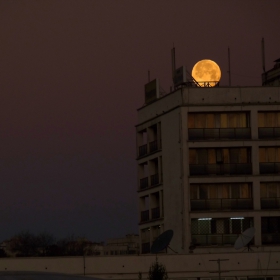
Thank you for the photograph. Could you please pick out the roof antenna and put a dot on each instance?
(173, 62)
(263, 56)
(229, 74)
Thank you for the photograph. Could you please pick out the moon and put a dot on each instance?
(207, 73)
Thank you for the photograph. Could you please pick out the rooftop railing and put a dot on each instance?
(269, 167)
(221, 169)
(219, 133)
(214, 239)
(221, 204)
(270, 202)
(269, 132)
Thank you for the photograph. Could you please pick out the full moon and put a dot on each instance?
(207, 73)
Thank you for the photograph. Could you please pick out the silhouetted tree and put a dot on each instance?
(157, 271)
(26, 244)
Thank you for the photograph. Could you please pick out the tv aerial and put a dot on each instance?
(162, 242)
(244, 239)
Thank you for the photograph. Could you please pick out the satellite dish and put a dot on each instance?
(244, 238)
(162, 241)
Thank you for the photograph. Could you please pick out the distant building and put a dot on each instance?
(209, 166)
(122, 246)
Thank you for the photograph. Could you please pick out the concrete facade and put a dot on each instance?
(238, 266)
(208, 168)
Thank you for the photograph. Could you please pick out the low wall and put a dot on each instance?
(128, 267)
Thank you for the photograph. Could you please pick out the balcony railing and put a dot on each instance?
(145, 216)
(271, 238)
(146, 149)
(155, 213)
(154, 179)
(144, 183)
(221, 169)
(143, 150)
(146, 248)
(269, 167)
(270, 202)
(153, 146)
(214, 239)
(221, 204)
(219, 133)
(269, 132)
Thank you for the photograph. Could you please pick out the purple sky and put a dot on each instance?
(72, 76)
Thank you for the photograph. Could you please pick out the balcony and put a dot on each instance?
(269, 167)
(219, 133)
(214, 239)
(221, 169)
(143, 150)
(154, 179)
(147, 149)
(270, 202)
(218, 204)
(146, 248)
(269, 132)
(153, 146)
(155, 213)
(271, 238)
(145, 216)
(144, 183)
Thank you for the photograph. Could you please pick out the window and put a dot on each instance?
(269, 119)
(269, 154)
(218, 120)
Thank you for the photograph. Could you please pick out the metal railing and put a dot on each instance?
(221, 204)
(155, 213)
(144, 183)
(221, 169)
(214, 239)
(145, 216)
(146, 149)
(269, 132)
(154, 179)
(146, 248)
(270, 202)
(271, 238)
(219, 133)
(143, 150)
(269, 167)
(153, 146)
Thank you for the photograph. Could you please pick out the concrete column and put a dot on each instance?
(160, 203)
(256, 194)
(255, 158)
(254, 123)
(258, 233)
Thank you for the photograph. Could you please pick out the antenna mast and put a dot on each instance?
(263, 56)
(173, 62)
(229, 74)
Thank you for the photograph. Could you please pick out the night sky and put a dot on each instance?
(72, 77)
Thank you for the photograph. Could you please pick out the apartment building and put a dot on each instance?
(209, 167)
